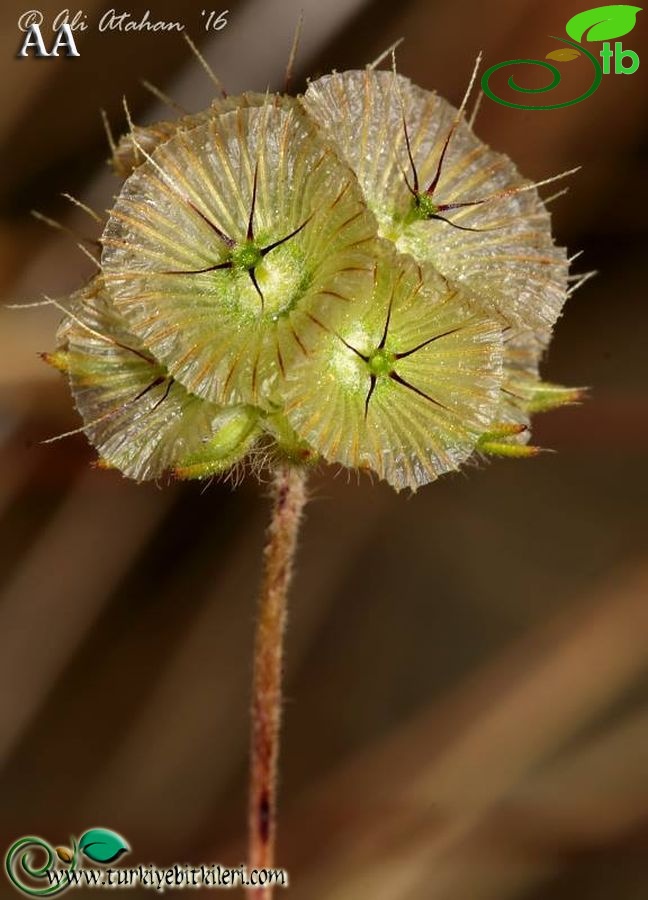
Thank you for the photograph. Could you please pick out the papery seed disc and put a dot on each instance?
(512, 267)
(211, 329)
(140, 421)
(426, 409)
(143, 139)
(523, 352)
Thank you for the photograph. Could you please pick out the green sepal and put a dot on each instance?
(512, 451)
(288, 444)
(235, 435)
(501, 430)
(58, 359)
(546, 396)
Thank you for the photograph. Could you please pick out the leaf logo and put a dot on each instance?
(603, 23)
(102, 845)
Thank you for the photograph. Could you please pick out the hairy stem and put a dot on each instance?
(289, 496)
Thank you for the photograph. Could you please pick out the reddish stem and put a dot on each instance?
(289, 497)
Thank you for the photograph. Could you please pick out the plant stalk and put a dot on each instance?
(289, 497)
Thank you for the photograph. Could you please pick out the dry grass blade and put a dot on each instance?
(401, 816)
(60, 587)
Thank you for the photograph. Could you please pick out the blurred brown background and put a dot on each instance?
(466, 709)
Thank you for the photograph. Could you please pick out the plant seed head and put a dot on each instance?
(271, 286)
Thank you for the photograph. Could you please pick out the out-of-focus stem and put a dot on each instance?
(289, 496)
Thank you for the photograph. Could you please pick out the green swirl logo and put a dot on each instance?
(24, 873)
(602, 23)
(38, 869)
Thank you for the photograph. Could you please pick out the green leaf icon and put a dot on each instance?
(102, 845)
(603, 23)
